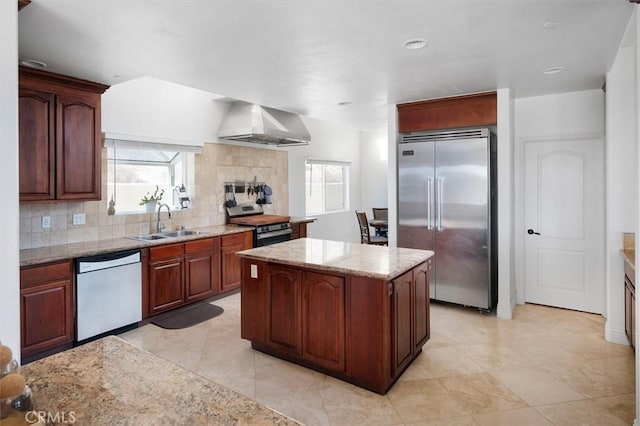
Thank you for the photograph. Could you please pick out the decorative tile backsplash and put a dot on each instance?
(218, 163)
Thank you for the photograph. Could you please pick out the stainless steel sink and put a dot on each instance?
(181, 233)
(166, 235)
(148, 237)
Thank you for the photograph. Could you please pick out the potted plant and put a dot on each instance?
(151, 201)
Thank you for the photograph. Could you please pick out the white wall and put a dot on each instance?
(506, 240)
(374, 169)
(150, 107)
(10, 259)
(329, 141)
(621, 181)
(541, 117)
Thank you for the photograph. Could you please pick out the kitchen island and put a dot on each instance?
(356, 312)
(109, 381)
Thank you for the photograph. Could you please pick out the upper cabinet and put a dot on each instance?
(447, 113)
(59, 133)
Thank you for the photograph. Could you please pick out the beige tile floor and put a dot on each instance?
(545, 367)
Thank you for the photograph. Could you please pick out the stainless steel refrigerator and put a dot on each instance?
(447, 203)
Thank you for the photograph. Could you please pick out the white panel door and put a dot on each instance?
(564, 223)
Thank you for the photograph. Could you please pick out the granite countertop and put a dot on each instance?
(69, 251)
(302, 219)
(109, 381)
(341, 257)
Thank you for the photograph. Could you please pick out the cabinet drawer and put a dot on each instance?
(44, 273)
(169, 250)
(240, 238)
(198, 246)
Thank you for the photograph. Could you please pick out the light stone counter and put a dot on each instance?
(70, 251)
(379, 262)
(110, 382)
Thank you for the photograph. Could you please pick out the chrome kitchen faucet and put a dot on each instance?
(160, 226)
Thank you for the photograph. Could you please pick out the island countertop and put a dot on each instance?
(379, 262)
(109, 381)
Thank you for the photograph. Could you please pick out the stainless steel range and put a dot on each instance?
(268, 228)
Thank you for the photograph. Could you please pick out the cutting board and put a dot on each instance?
(259, 220)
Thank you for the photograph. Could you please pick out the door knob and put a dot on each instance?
(532, 232)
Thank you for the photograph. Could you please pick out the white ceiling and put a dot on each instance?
(306, 56)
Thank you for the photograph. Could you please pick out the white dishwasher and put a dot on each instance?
(108, 292)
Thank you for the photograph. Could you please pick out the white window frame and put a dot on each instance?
(346, 167)
(186, 157)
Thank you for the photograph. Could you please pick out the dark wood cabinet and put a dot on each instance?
(298, 230)
(59, 137)
(36, 152)
(479, 109)
(410, 314)
(166, 278)
(630, 304)
(421, 322)
(230, 263)
(323, 331)
(181, 273)
(46, 307)
(360, 329)
(283, 309)
(201, 271)
(403, 321)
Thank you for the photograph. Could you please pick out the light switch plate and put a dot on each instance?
(46, 221)
(254, 271)
(78, 219)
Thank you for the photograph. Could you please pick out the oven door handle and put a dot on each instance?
(271, 234)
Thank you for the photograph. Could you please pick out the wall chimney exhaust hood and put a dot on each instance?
(258, 124)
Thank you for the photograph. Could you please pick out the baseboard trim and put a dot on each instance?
(615, 335)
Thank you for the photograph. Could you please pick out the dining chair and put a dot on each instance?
(365, 235)
(380, 213)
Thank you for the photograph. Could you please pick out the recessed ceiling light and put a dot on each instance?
(550, 25)
(33, 63)
(553, 70)
(345, 103)
(415, 43)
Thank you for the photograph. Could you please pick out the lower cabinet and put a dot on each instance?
(202, 279)
(410, 314)
(166, 277)
(183, 273)
(630, 305)
(360, 329)
(298, 230)
(46, 307)
(230, 263)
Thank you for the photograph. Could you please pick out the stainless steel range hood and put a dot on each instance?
(258, 124)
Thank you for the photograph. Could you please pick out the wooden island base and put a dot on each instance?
(361, 327)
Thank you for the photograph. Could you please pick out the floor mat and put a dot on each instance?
(187, 316)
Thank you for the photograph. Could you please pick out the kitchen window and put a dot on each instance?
(326, 186)
(132, 172)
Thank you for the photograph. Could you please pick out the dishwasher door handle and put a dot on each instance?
(105, 261)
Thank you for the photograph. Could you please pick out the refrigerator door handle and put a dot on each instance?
(439, 209)
(429, 203)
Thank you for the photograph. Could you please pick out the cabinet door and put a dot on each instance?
(323, 320)
(199, 283)
(46, 315)
(403, 322)
(283, 309)
(231, 271)
(421, 305)
(166, 285)
(78, 147)
(36, 146)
